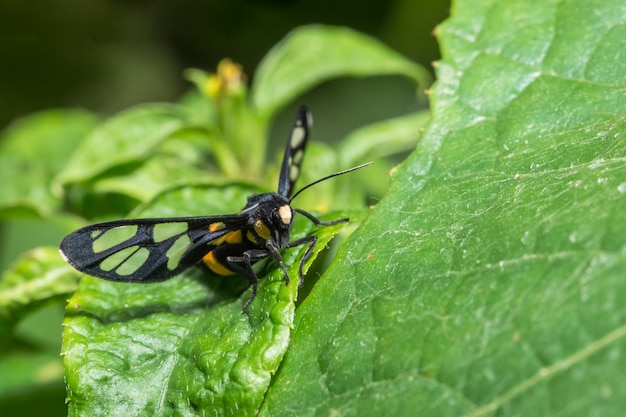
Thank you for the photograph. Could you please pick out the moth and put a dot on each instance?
(153, 250)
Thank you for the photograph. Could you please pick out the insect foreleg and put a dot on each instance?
(312, 240)
(243, 266)
(271, 246)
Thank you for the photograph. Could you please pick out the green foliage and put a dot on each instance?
(490, 280)
(343, 52)
(183, 346)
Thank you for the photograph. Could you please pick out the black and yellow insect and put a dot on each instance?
(153, 250)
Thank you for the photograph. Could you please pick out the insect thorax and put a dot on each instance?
(268, 216)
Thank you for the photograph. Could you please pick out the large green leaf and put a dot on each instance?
(490, 281)
(313, 54)
(129, 137)
(382, 139)
(184, 346)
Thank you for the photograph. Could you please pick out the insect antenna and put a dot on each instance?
(336, 174)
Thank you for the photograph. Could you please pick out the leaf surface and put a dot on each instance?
(185, 342)
(36, 279)
(313, 54)
(490, 281)
(128, 137)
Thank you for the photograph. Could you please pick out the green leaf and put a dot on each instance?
(129, 137)
(383, 139)
(33, 150)
(490, 280)
(184, 346)
(180, 159)
(35, 279)
(198, 200)
(152, 177)
(313, 54)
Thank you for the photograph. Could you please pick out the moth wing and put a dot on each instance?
(294, 152)
(144, 250)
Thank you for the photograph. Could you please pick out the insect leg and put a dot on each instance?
(307, 254)
(243, 266)
(311, 240)
(271, 246)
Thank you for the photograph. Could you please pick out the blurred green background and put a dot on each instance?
(107, 55)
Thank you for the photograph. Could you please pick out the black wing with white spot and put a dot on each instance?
(145, 250)
(294, 152)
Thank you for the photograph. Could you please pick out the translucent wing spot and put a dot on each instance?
(297, 136)
(297, 157)
(294, 172)
(164, 231)
(112, 237)
(127, 261)
(176, 252)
